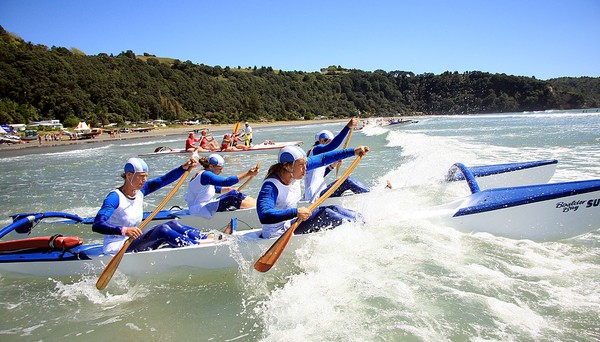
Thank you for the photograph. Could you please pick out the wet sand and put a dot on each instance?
(34, 147)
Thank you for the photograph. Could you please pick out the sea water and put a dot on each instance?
(398, 277)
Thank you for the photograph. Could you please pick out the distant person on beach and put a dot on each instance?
(208, 182)
(122, 212)
(314, 182)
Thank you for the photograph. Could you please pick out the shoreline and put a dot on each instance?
(34, 147)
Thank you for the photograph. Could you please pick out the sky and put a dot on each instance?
(544, 39)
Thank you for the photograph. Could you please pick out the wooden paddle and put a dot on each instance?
(249, 179)
(265, 262)
(337, 169)
(110, 269)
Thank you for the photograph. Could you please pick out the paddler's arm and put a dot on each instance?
(219, 182)
(327, 158)
(168, 178)
(331, 167)
(101, 224)
(265, 206)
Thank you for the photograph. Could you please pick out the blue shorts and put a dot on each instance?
(328, 217)
(233, 198)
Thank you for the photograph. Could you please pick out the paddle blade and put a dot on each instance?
(112, 266)
(270, 257)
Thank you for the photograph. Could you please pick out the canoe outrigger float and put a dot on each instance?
(266, 146)
(539, 212)
(505, 175)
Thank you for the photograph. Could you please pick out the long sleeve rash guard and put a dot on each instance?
(267, 196)
(111, 202)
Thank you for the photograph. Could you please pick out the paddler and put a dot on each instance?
(277, 203)
(122, 212)
(190, 143)
(207, 143)
(314, 182)
(208, 182)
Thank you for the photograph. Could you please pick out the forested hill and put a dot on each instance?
(37, 82)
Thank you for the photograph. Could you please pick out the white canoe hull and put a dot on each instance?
(237, 251)
(529, 212)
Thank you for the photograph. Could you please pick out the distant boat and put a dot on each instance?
(10, 139)
(142, 129)
(267, 146)
(384, 122)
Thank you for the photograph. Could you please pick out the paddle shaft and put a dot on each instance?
(249, 179)
(236, 127)
(265, 262)
(337, 169)
(110, 269)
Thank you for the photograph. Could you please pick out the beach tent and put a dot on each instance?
(2, 131)
(82, 126)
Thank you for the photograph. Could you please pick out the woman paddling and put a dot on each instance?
(122, 212)
(314, 182)
(208, 182)
(281, 191)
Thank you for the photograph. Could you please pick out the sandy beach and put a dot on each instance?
(34, 147)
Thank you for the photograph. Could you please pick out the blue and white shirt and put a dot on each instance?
(277, 203)
(314, 181)
(201, 191)
(118, 211)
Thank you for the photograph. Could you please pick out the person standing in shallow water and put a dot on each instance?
(248, 135)
(122, 212)
(277, 203)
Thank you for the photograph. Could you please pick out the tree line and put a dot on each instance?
(39, 83)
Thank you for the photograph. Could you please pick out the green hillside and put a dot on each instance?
(38, 82)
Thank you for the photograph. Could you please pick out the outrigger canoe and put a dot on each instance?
(512, 174)
(538, 212)
(266, 146)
